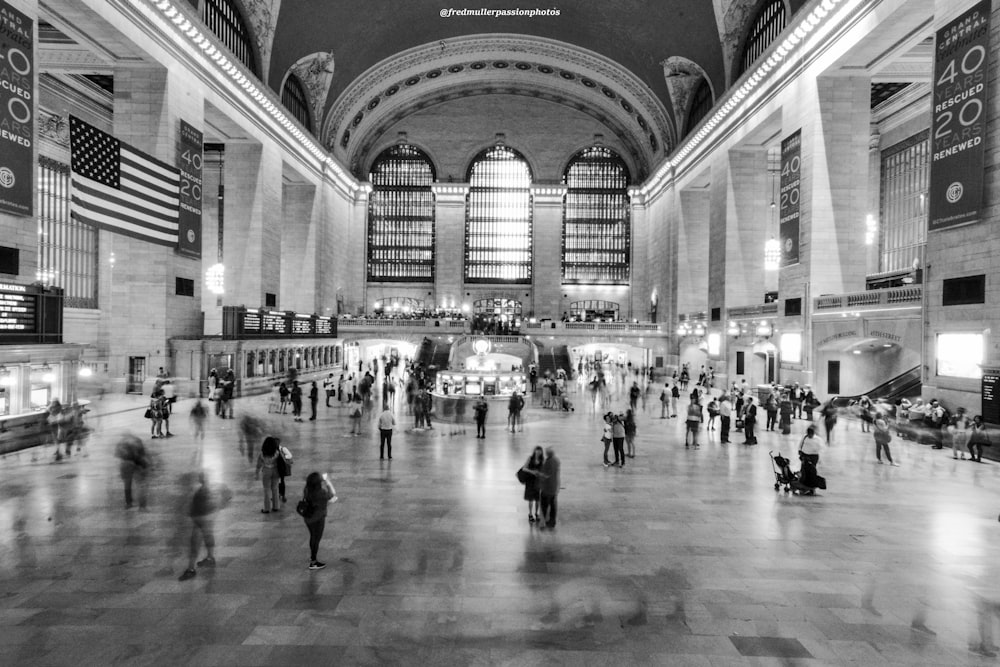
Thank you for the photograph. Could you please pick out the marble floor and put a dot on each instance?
(684, 557)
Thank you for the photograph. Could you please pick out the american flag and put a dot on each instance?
(117, 188)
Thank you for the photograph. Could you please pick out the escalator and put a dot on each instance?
(904, 385)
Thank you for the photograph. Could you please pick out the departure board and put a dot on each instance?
(18, 309)
(990, 397)
(30, 314)
(240, 323)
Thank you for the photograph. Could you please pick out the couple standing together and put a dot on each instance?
(540, 476)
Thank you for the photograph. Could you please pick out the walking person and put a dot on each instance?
(386, 422)
(204, 505)
(550, 487)
(978, 438)
(313, 400)
(883, 437)
(134, 467)
(829, 413)
(198, 414)
(533, 483)
(725, 416)
(267, 472)
(481, 409)
(296, 397)
(618, 439)
(749, 421)
(693, 423)
(317, 495)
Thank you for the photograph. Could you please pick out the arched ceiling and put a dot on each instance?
(637, 34)
(504, 65)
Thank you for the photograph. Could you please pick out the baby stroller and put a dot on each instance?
(782, 471)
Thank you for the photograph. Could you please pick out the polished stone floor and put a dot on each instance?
(684, 557)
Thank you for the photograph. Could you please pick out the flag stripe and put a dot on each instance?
(146, 168)
(87, 195)
(125, 229)
(142, 192)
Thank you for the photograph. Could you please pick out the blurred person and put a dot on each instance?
(713, 412)
(170, 394)
(283, 397)
(771, 408)
(267, 472)
(809, 402)
(356, 416)
(134, 467)
(228, 389)
(155, 414)
(883, 436)
(978, 438)
(284, 467)
(317, 494)
(829, 414)
(198, 414)
(460, 407)
(204, 504)
(664, 401)
(865, 409)
(959, 430)
(514, 407)
(328, 388)
(428, 400)
(785, 410)
(795, 396)
(296, 397)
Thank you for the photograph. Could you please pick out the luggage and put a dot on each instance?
(739, 424)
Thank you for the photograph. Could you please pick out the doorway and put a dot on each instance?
(833, 377)
(136, 375)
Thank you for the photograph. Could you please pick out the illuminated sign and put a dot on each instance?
(240, 323)
(30, 314)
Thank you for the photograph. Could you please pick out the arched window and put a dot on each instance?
(701, 104)
(596, 230)
(766, 27)
(224, 19)
(295, 100)
(401, 216)
(498, 225)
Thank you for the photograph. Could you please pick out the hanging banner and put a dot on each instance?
(189, 160)
(17, 111)
(788, 209)
(958, 121)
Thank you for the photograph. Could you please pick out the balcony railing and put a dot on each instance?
(742, 312)
(870, 299)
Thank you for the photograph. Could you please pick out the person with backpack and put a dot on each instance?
(316, 496)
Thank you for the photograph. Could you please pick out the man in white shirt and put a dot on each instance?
(386, 422)
(725, 415)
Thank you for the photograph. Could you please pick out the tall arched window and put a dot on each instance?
(766, 27)
(701, 104)
(295, 100)
(596, 230)
(223, 18)
(498, 224)
(401, 216)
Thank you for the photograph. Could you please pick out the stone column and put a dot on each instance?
(143, 310)
(449, 241)
(641, 286)
(750, 222)
(548, 202)
(692, 250)
(299, 246)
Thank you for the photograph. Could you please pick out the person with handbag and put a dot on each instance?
(529, 476)
(267, 471)
(316, 496)
(978, 438)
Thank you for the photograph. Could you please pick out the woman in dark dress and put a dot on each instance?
(532, 487)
